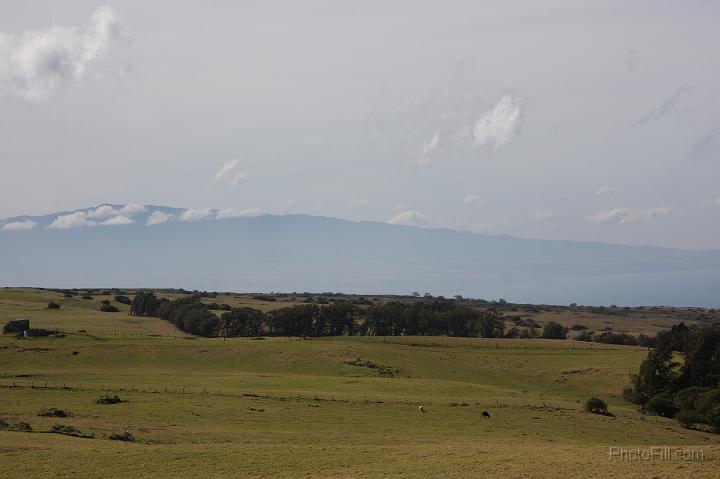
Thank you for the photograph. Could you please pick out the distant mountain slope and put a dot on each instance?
(194, 250)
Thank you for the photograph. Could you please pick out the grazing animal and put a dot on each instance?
(421, 408)
(485, 414)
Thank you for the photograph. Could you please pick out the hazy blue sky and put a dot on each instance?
(557, 119)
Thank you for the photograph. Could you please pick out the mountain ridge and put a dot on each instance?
(247, 251)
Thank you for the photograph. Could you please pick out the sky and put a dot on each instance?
(556, 119)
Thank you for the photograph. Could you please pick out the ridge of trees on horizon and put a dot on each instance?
(436, 317)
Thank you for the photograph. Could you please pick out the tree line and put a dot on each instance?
(680, 378)
(437, 317)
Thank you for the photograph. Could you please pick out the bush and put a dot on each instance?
(86, 296)
(123, 299)
(662, 406)
(687, 398)
(586, 336)
(554, 330)
(109, 308)
(688, 417)
(52, 305)
(714, 419)
(596, 405)
(105, 301)
(632, 395)
(708, 401)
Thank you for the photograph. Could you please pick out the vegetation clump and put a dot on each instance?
(53, 305)
(553, 330)
(123, 299)
(109, 308)
(124, 436)
(596, 405)
(108, 400)
(689, 390)
(382, 370)
(53, 412)
(68, 430)
(429, 317)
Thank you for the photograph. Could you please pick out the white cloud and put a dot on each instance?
(432, 144)
(230, 174)
(132, 209)
(628, 215)
(496, 127)
(233, 213)
(74, 220)
(19, 225)
(102, 212)
(603, 190)
(118, 220)
(33, 65)
(195, 214)
(713, 202)
(158, 217)
(360, 201)
(427, 148)
(472, 200)
(410, 218)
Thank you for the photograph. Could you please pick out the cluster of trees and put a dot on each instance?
(610, 337)
(689, 390)
(187, 313)
(430, 318)
(439, 317)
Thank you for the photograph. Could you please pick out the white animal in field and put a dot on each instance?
(421, 408)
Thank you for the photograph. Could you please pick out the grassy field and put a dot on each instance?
(307, 408)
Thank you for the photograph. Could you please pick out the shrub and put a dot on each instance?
(585, 336)
(86, 296)
(109, 308)
(707, 401)
(52, 305)
(123, 299)
(714, 419)
(688, 397)
(688, 417)
(661, 405)
(554, 330)
(596, 405)
(105, 302)
(632, 395)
